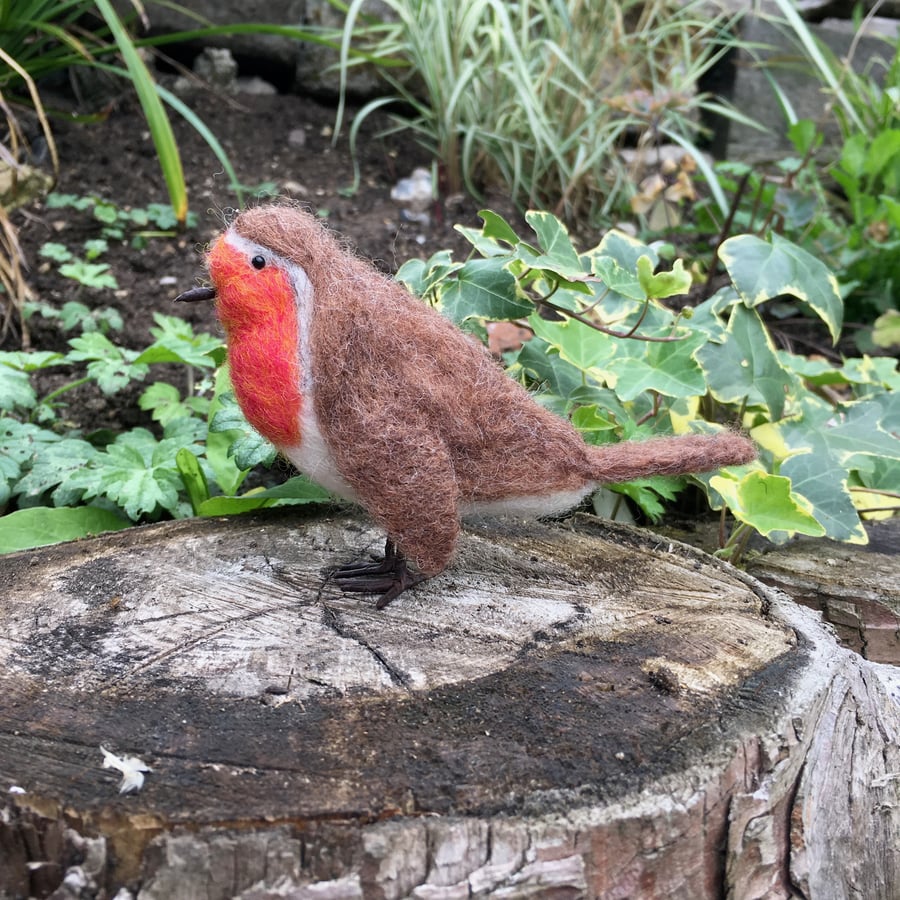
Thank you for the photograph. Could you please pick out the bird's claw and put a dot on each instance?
(389, 577)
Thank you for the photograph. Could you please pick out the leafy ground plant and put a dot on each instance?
(59, 481)
(611, 354)
(608, 350)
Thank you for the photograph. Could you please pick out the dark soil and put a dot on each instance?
(115, 159)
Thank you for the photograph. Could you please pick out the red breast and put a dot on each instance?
(257, 307)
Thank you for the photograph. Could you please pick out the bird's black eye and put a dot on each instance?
(258, 262)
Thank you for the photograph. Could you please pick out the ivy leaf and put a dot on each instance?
(497, 228)
(662, 284)
(886, 332)
(823, 483)
(420, 276)
(481, 289)
(761, 271)
(625, 250)
(767, 503)
(617, 278)
(669, 368)
(558, 255)
(594, 425)
(579, 344)
(820, 449)
(745, 365)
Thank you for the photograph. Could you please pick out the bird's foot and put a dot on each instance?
(390, 577)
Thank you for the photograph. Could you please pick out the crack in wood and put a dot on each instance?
(331, 618)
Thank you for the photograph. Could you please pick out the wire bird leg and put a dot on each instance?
(390, 577)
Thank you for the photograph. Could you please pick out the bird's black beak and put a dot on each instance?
(194, 295)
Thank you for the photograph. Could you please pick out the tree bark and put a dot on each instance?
(579, 710)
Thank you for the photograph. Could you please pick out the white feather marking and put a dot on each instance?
(529, 507)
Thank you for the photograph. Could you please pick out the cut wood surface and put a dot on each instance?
(855, 587)
(579, 710)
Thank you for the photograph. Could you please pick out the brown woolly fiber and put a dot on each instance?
(421, 420)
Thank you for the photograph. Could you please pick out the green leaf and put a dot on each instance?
(482, 289)
(594, 425)
(31, 360)
(248, 447)
(163, 401)
(40, 526)
(226, 472)
(662, 284)
(669, 368)
(20, 444)
(296, 490)
(137, 472)
(761, 271)
(746, 366)
(823, 484)
(92, 275)
(625, 250)
(95, 247)
(497, 228)
(767, 503)
(804, 134)
(232, 506)
(646, 493)
(887, 330)
(77, 315)
(111, 366)
(618, 278)
(420, 276)
(57, 252)
(558, 254)
(193, 478)
(882, 150)
(176, 343)
(52, 466)
(577, 343)
(15, 389)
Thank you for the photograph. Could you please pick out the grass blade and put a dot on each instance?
(154, 112)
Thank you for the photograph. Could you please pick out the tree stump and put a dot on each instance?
(578, 710)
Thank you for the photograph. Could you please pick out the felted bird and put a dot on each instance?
(381, 400)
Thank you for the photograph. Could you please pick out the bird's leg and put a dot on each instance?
(390, 577)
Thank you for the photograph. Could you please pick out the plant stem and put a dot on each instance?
(58, 392)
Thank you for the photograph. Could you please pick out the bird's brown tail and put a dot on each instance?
(614, 463)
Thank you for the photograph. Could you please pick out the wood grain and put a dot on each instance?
(570, 710)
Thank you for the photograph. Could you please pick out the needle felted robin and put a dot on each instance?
(383, 401)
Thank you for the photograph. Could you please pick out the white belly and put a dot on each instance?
(314, 459)
(527, 507)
